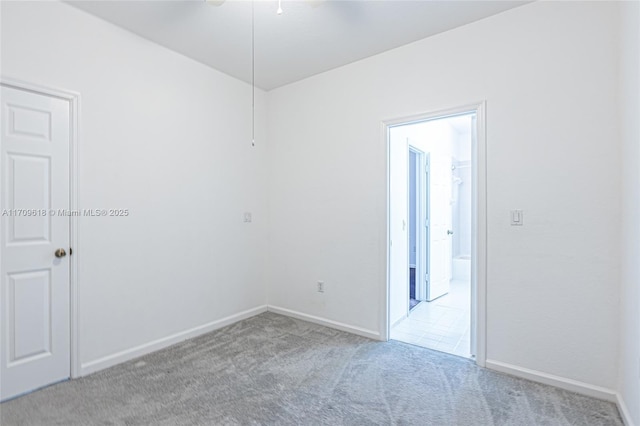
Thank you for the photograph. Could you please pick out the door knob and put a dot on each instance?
(449, 232)
(60, 252)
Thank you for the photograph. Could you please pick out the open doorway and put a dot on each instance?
(433, 232)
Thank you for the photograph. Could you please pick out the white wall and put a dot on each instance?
(629, 373)
(548, 72)
(398, 229)
(169, 139)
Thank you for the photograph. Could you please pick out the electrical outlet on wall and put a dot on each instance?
(247, 217)
(320, 286)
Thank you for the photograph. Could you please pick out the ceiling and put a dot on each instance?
(310, 37)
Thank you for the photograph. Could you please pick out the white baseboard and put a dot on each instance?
(624, 410)
(553, 380)
(144, 349)
(326, 322)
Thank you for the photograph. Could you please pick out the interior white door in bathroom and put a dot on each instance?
(440, 220)
(34, 266)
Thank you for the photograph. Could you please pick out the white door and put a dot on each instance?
(440, 232)
(398, 227)
(34, 298)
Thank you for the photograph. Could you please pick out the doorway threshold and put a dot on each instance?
(442, 325)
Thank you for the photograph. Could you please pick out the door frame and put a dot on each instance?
(74, 134)
(425, 226)
(421, 209)
(478, 221)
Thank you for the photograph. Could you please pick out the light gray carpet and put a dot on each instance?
(275, 370)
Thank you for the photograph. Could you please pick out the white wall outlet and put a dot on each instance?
(517, 218)
(247, 217)
(320, 286)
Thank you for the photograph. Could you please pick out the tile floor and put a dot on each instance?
(443, 324)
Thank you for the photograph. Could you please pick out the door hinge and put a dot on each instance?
(70, 251)
(426, 277)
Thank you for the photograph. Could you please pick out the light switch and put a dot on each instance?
(516, 218)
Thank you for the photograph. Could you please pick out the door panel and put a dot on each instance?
(34, 297)
(29, 329)
(27, 185)
(439, 226)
